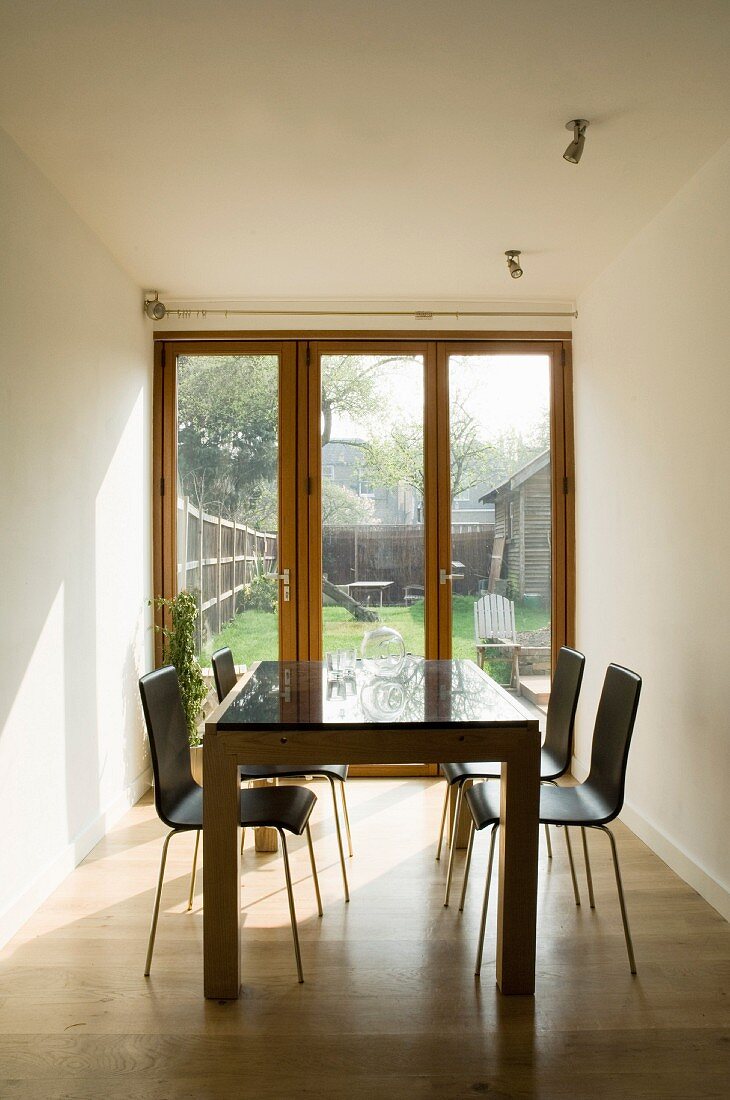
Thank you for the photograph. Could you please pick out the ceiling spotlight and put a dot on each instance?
(513, 262)
(153, 307)
(575, 150)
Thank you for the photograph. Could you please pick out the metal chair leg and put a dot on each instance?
(452, 846)
(483, 925)
(572, 865)
(467, 865)
(192, 874)
(339, 838)
(292, 912)
(443, 821)
(347, 817)
(589, 877)
(547, 827)
(622, 903)
(314, 870)
(243, 837)
(156, 906)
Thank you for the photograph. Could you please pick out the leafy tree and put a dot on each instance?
(228, 429)
(341, 507)
(349, 385)
(512, 449)
(398, 457)
(470, 457)
(228, 437)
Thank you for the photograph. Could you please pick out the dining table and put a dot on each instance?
(385, 712)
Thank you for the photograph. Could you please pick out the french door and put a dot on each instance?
(225, 470)
(309, 489)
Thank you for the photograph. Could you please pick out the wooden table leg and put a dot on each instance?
(222, 873)
(517, 909)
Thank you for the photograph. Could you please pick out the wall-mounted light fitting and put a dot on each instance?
(153, 307)
(513, 262)
(575, 150)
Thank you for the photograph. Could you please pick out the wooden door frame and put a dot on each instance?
(300, 477)
(380, 346)
(427, 350)
(164, 471)
(562, 612)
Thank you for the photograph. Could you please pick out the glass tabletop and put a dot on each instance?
(305, 695)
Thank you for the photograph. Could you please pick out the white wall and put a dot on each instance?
(652, 408)
(75, 386)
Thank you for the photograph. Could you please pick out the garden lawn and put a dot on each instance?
(254, 636)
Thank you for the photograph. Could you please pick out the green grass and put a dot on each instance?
(254, 636)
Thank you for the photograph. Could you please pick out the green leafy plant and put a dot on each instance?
(262, 591)
(178, 649)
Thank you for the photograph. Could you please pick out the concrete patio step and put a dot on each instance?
(536, 689)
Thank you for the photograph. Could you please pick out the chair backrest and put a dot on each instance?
(168, 733)
(563, 704)
(494, 617)
(224, 672)
(612, 736)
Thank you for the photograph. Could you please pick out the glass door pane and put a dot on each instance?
(228, 501)
(501, 517)
(372, 424)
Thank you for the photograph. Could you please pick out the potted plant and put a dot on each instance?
(178, 649)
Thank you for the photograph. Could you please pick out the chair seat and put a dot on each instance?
(455, 773)
(276, 807)
(581, 805)
(292, 771)
(550, 768)
(483, 802)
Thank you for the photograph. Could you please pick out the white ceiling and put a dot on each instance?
(354, 149)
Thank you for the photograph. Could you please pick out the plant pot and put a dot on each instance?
(196, 763)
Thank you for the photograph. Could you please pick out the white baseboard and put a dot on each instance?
(578, 769)
(682, 864)
(52, 875)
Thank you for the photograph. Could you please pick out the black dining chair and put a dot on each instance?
(590, 805)
(179, 799)
(224, 672)
(555, 755)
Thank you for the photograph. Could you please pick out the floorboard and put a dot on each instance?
(390, 1006)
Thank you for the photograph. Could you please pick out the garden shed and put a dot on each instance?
(522, 507)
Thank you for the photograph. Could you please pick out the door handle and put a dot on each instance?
(284, 578)
(444, 576)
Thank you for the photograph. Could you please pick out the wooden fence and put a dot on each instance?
(396, 553)
(216, 558)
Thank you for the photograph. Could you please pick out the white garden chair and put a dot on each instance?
(494, 629)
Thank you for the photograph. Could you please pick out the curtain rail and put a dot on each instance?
(418, 314)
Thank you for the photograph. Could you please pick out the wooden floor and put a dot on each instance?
(390, 1007)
